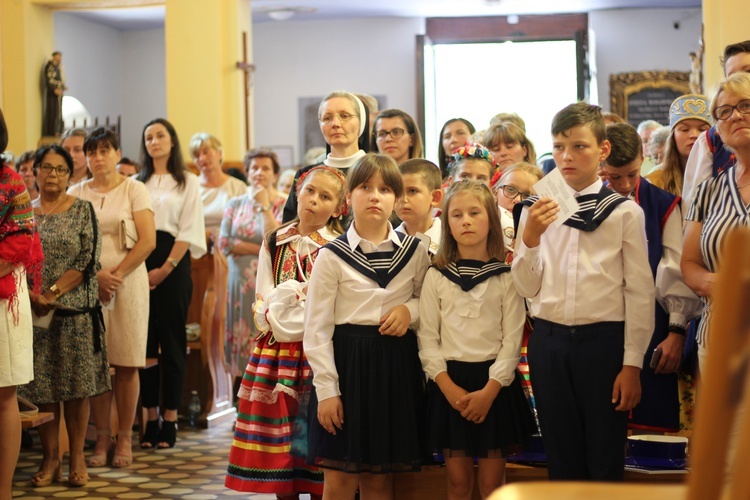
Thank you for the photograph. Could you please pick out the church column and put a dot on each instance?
(27, 37)
(205, 90)
(724, 23)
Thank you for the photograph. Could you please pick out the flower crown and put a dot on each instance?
(343, 207)
(472, 150)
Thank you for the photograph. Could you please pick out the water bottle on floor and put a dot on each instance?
(194, 409)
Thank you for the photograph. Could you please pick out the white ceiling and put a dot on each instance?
(153, 17)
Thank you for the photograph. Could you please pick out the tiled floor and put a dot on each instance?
(193, 470)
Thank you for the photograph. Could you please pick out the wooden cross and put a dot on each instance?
(247, 69)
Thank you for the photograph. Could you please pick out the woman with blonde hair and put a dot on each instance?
(216, 186)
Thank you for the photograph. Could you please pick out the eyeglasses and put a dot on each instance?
(396, 133)
(726, 111)
(510, 192)
(343, 118)
(61, 171)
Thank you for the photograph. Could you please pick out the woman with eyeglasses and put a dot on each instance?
(722, 203)
(396, 135)
(119, 202)
(345, 124)
(70, 355)
(513, 187)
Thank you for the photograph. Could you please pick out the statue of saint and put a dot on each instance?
(54, 86)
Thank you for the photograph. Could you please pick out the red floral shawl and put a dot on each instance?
(19, 240)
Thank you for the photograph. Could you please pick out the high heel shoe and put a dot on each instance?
(78, 478)
(100, 460)
(41, 478)
(150, 436)
(167, 434)
(124, 460)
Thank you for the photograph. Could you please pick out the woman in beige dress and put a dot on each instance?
(119, 203)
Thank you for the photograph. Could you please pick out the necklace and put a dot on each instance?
(44, 214)
(49, 212)
(737, 180)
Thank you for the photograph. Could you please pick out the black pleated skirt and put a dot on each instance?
(509, 421)
(382, 391)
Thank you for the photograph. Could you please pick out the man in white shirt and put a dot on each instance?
(591, 291)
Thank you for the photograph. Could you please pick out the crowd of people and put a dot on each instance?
(382, 310)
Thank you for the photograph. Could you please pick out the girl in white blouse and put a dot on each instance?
(362, 298)
(471, 323)
(178, 214)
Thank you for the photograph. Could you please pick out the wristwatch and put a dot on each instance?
(55, 290)
(174, 263)
(261, 208)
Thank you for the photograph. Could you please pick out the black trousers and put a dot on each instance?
(166, 329)
(573, 370)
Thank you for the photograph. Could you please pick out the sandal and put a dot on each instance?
(78, 478)
(100, 460)
(124, 460)
(150, 437)
(41, 478)
(167, 434)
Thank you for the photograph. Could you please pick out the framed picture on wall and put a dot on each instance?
(646, 95)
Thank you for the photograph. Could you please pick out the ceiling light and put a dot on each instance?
(281, 14)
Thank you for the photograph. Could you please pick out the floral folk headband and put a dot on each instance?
(344, 209)
(472, 150)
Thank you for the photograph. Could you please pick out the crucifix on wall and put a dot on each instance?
(247, 70)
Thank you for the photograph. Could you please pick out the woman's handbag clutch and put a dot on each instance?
(128, 234)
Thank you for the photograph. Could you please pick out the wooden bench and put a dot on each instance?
(29, 422)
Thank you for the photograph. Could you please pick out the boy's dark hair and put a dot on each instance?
(580, 113)
(369, 165)
(733, 50)
(429, 172)
(625, 143)
(100, 137)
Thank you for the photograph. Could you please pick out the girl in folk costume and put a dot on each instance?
(363, 297)
(270, 440)
(471, 323)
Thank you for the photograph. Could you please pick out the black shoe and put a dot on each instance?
(150, 437)
(167, 434)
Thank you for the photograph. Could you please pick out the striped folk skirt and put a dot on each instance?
(270, 438)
